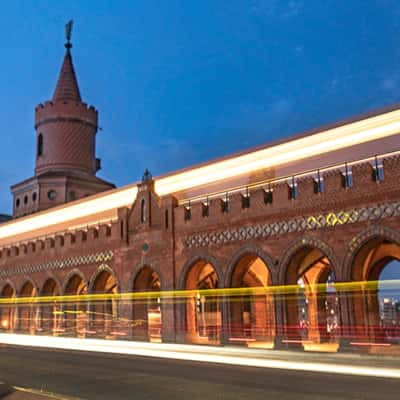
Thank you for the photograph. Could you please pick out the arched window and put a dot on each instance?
(40, 145)
(143, 210)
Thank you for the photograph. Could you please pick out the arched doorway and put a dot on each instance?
(312, 304)
(104, 312)
(203, 310)
(50, 311)
(147, 315)
(376, 306)
(252, 316)
(28, 312)
(75, 313)
(7, 311)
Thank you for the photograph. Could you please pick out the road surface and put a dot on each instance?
(101, 376)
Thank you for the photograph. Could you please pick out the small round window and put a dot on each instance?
(52, 194)
(34, 196)
(17, 203)
(25, 199)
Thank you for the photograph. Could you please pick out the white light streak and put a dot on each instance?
(367, 130)
(225, 355)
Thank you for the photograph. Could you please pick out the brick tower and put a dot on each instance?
(66, 165)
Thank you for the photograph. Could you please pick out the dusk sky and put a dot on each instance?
(180, 82)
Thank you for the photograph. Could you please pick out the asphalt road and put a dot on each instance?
(103, 376)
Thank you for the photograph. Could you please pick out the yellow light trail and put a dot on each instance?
(349, 287)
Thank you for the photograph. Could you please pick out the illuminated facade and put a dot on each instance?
(315, 209)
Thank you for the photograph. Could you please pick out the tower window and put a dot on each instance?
(25, 199)
(17, 203)
(51, 194)
(40, 145)
(34, 196)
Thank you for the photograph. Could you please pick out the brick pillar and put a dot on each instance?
(225, 320)
(346, 320)
(168, 323)
(290, 334)
(125, 313)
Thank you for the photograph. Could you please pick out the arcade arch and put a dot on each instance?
(203, 312)
(50, 312)
(252, 316)
(104, 312)
(8, 312)
(375, 305)
(28, 312)
(75, 313)
(147, 313)
(312, 304)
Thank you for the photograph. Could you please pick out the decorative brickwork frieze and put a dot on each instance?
(302, 224)
(70, 262)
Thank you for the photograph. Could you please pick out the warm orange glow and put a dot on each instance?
(367, 130)
(4, 323)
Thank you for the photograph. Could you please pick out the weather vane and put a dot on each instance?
(68, 30)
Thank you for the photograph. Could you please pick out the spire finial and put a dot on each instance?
(68, 30)
(147, 177)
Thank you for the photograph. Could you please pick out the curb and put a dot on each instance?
(5, 389)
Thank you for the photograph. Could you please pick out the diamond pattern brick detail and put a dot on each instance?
(295, 225)
(59, 264)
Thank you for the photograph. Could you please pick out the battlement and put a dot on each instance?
(68, 242)
(79, 111)
(310, 193)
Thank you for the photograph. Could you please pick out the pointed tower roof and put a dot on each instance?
(67, 85)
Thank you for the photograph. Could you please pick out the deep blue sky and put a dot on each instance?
(179, 82)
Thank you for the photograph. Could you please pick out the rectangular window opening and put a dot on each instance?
(293, 189)
(378, 171)
(205, 209)
(188, 212)
(347, 177)
(246, 199)
(319, 186)
(225, 204)
(268, 195)
(166, 219)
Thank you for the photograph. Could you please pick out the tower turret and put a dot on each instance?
(65, 160)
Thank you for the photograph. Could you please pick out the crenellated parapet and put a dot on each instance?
(315, 193)
(60, 244)
(65, 111)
